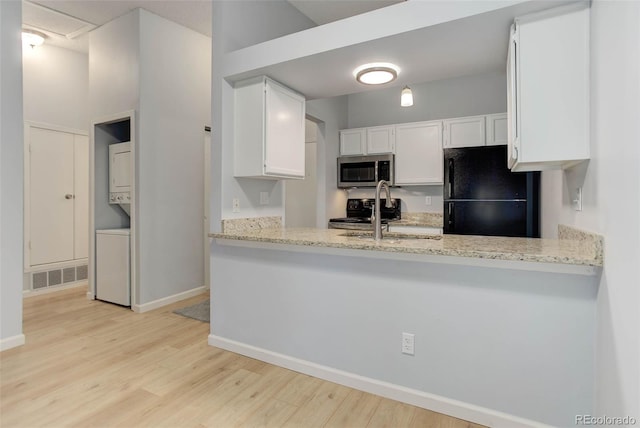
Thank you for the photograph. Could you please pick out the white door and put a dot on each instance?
(51, 195)
(81, 200)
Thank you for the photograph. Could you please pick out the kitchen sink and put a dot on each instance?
(390, 236)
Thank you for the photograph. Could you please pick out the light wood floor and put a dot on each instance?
(92, 364)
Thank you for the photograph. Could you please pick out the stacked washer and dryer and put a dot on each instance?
(113, 250)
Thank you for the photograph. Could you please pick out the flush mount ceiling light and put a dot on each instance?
(406, 97)
(32, 38)
(377, 73)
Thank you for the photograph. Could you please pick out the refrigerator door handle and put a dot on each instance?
(450, 182)
(450, 218)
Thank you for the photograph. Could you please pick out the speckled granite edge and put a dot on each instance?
(590, 240)
(232, 225)
(420, 219)
(562, 251)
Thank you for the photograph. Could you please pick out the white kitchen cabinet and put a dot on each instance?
(548, 89)
(464, 132)
(496, 125)
(380, 139)
(419, 157)
(269, 130)
(353, 141)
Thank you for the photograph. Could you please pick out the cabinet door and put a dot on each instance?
(513, 131)
(51, 203)
(352, 142)
(380, 139)
(419, 156)
(496, 129)
(464, 132)
(284, 132)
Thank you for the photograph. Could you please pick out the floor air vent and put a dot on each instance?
(61, 276)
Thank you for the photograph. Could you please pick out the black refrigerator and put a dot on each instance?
(483, 197)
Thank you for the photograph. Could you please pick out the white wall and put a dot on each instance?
(114, 67)
(441, 99)
(175, 101)
(611, 185)
(11, 175)
(236, 24)
(513, 341)
(56, 87)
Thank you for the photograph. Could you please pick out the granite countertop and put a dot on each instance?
(581, 248)
(420, 220)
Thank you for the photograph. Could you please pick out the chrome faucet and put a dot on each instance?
(377, 221)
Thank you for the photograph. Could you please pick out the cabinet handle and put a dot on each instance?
(68, 196)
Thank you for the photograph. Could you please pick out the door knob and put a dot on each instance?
(68, 196)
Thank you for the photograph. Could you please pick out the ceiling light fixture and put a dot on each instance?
(377, 73)
(406, 97)
(32, 38)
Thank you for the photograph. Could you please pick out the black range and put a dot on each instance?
(359, 214)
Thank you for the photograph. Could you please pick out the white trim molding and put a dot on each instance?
(155, 304)
(425, 400)
(12, 342)
(40, 291)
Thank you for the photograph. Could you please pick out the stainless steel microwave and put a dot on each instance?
(365, 171)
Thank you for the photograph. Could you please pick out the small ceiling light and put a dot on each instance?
(377, 73)
(32, 38)
(406, 97)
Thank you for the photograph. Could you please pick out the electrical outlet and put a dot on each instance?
(264, 198)
(427, 200)
(408, 342)
(236, 205)
(577, 199)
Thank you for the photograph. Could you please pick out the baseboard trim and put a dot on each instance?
(11, 342)
(425, 400)
(40, 291)
(145, 307)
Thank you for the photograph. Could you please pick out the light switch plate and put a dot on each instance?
(427, 200)
(236, 205)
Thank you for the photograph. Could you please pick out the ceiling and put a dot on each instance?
(53, 17)
(473, 45)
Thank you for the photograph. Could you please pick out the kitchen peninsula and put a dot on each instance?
(507, 324)
(574, 248)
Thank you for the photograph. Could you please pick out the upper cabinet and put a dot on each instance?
(496, 125)
(419, 159)
(380, 139)
(353, 141)
(367, 141)
(548, 89)
(269, 130)
(464, 132)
